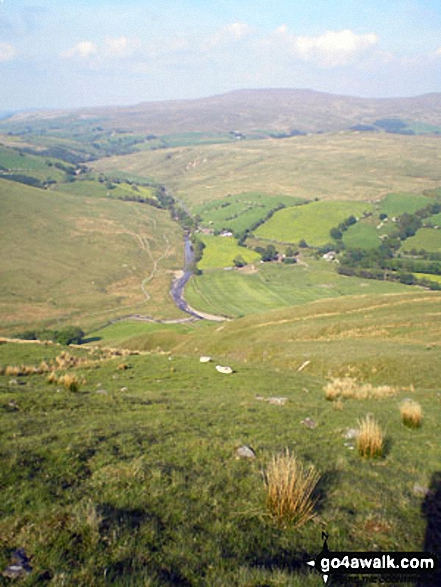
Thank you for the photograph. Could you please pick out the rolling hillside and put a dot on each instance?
(336, 166)
(66, 257)
(245, 110)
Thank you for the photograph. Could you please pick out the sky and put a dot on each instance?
(61, 54)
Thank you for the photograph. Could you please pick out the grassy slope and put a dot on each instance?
(71, 258)
(311, 222)
(339, 166)
(125, 480)
(272, 286)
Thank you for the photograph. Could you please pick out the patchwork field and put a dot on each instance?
(240, 212)
(334, 166)
(92, 188)
(70, 258)
(311, 222)
(271, 286)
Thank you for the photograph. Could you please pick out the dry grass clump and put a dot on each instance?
(289, 488)
(349, 387)
(70, 381)
(411, 413)
(370, 439)
(12, 370)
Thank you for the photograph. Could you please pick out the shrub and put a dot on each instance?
(289, 487)
(411, 413)
(370, 440)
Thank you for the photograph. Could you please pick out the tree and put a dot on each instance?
(335, 234)
(239, 261)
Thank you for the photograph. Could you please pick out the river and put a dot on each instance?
(177, 289)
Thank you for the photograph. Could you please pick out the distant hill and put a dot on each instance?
(285, 110)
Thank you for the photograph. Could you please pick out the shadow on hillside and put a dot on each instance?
(90, 339)
(431, 510)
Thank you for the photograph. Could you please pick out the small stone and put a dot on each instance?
(420, 490)
(350, 433)
(277, 401)
(245, 452)
(124, 388)
(309, 423)
(205, 359)
(13, 382)
(102, 391)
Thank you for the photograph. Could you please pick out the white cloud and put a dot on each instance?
(332, 49)
(121, 46)
(230, 33)
(7, 52)
(83, 49)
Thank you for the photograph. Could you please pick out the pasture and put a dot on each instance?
(397, 204)
(272, 285)
(311, 222)
(241, 211)
(220, 251)
(425, 238)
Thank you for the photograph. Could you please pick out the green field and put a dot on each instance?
(66, 257)
(425, 238)
(396, 204)
(272, 286)
(347, 166)
(240, 212)
(220, 251)
(362, 235)
(311, 222)
(20, 163)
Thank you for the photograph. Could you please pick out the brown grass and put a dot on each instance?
(370, 440)
(70, 382)
(411, 413)
(349, 387)
(289, 488)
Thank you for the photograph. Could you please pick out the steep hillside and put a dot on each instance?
(66, 257)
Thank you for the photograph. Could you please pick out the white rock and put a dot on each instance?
(226, 370)
(205, 359)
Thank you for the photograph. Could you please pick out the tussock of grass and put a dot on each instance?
(289, 488)
(411, 413)
(370, 440)
(70, 382)
(348, 387)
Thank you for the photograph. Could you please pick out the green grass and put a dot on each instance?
(92, 188)
(220, 251)
(41, 168)
(362, 235)
(140, 485)
(425, 238)
(240, 212)
(272, 286)
(430, 276)
(396, 204)
(311, 222)
(347, 166)
(71, 258)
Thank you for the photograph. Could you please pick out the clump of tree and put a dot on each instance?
(239, 261)
(268, 253)
(67, 335)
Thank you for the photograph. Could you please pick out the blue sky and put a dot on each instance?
(56, 54)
